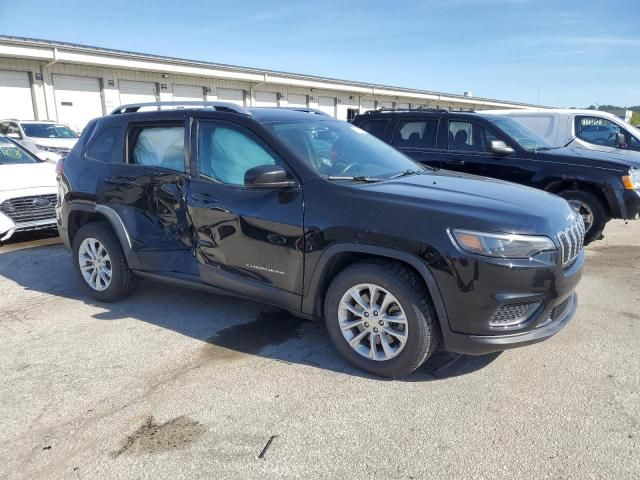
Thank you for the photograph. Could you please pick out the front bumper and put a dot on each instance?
(631, 202)
(484, 344)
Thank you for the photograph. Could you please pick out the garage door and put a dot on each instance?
(78, 100)
(327, 105)
(402, 106)
(15, 96)
(136, 92)
(385, 104)
(298, 101)
(231, 95)
(266, 99)
(187, 93)
(367, 105)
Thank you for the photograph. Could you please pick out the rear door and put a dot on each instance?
(145, 186)
(248, 241)
(416, 137)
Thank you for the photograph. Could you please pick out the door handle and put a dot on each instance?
(118, 180)
(455, 161)
(204, 198)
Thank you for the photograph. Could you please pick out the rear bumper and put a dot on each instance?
(483, 344)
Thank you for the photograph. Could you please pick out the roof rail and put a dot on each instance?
(221, 106)
(307, 110)
(419, 109)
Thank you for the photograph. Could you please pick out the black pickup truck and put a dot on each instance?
(600, 186)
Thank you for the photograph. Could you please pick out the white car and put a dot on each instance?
(586, 129)
(27, 191)
(50, 141)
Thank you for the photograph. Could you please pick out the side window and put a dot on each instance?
(13, 128)
(416, 134)
(598, 131)
(634, 143)
(157, 146)
(226, 152)
(101, 147)
(375, 127)
(467, 136)
(4, 128)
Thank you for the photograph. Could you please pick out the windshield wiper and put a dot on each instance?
(357, 178)
(406, 173)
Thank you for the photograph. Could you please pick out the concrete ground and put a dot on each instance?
(176, 384)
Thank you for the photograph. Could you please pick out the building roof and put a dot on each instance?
(47, 50)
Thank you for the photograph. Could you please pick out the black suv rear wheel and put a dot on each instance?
(380, 318)
(100, 264)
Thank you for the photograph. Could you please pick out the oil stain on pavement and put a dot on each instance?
(153, 437)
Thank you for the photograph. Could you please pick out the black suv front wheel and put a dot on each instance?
(380, 318)
(100, 264)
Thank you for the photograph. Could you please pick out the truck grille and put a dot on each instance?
(25, 210)
(571, 241)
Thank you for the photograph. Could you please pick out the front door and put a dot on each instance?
(246, 240)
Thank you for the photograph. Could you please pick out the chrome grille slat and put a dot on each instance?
(21, 210)
(571, 241)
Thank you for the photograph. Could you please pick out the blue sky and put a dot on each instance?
(574, 53)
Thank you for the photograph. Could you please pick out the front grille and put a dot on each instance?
(571, 241)
(26, 210)
(559, 310)
(512, 314)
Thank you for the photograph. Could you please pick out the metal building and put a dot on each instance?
(71, 83)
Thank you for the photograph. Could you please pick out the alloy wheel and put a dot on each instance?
(373, 322)
(95, 264)
(584, 211)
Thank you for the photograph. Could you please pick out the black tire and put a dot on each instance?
(122, 280)
(599, 213)
(423, 330)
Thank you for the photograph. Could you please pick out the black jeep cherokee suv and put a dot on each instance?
(598, 185)
(316, 216)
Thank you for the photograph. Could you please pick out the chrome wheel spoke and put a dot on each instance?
(351, 308)
(355, 294)
(355, 341)
(388, 351)
(373, 346)
(400, 336)
(401, 319)
(350, 325)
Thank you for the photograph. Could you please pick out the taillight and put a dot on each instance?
(59, 165)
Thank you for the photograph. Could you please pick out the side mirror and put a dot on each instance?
(14, 135)
(268, 176)
(500, 148)
(620, 140)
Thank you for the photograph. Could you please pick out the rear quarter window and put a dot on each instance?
(104, 144)
(375, 127)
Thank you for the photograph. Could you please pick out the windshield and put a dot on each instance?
(334, 148)
(12, 154)
(523, 135)
(48, 130)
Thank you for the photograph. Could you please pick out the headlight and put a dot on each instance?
(632, 181)
(502, 245)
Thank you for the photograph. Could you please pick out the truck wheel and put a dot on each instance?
(380, 318)
(100, 264)
(590, 208)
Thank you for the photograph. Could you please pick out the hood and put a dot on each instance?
(54, 142)
(27, 175)
(471, 201)
(620, 157)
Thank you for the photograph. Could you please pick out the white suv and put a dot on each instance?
(50, 141)
(586, 129)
